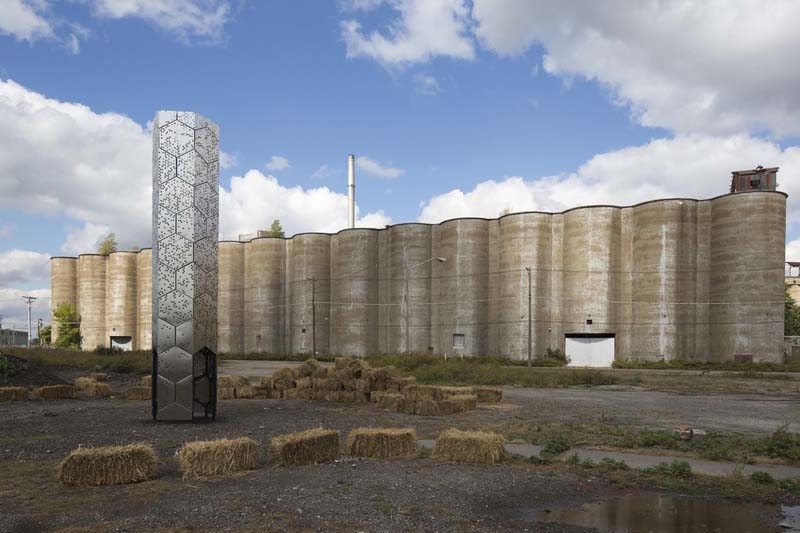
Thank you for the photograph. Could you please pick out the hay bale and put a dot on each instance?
(83, 382)
(303, 383)
(326, 384)
(289, 394)
(341, 362)
(97, 390)
(306, 370)
(13, 394)
(447, 392)
(307, 447)
(382, 443)
(318, 395)
(139, 393)
(226, 393)
(320, 372)
(488, 394)
(363, 385)
(462, 402)
(423, 392)
(99, 376)
(468, 447)
(305, 394)
(54, 392)
(345, 374)
(240, 381)
(244, 391)
(109, 465)
(393, 402)
(217, 457)
(432, 408)
(283, 379)
(376, 395)
(361, 397)
(261, 392)
(400, 384)
(147, 381)
(225, 382)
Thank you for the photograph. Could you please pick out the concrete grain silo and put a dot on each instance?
(92, 300)
(144, 300)
(460, 287)
(63, 287)
(354, 292)
(120, 300)
(265, 297)
(230, 305)
(309, 256)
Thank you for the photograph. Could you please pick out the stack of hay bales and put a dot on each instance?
(305, 448)
(468, 447)
(350, 380)
(141, 392)
(231, 387)
(92, 387)
(13, 394)
(54, 392)
(382, 443)
(429, 400)
(110, 465)
(217, 457)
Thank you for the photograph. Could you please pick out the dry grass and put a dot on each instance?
(54, 392)
(139, 393)
(307, 447)
(468, 447)
(217, 457)
(225, 382)
(110, 465)
(226, 393)
(13, 394)
(245, 391)
(83, 382)
(382, 443)
(240, 381)
(488, 394)
(97, 390)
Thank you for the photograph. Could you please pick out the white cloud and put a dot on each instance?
(373, 168)
(424, 29)
(25, 20)
(85, 239)
(426, 84)
(14, 310)
(321, 173)
(73, 44)
(227, 160)
(277, 162)
(23, 266)
(793, 250)
(255, 200)
(186, 19)
(63, 158)
(688, 166)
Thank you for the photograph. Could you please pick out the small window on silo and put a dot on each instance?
(459, 340)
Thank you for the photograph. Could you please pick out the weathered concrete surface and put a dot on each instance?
(670, 279)
(231, 300)
(91, 274)
(120, 295)
(63, 287)
(144, 298)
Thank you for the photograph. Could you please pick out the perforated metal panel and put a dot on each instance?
(185, 228)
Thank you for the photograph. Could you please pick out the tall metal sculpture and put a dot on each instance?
(185, 228)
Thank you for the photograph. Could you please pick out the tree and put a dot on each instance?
(44, 335)
(107, 244)
(505, 211)
(791, 324)
(69, 326)
(275, 230)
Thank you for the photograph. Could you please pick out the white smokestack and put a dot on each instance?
(351, 191)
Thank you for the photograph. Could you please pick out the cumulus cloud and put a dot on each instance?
(25, 20)
(323, 172)
(277, 162)
(373, 168)
(23, 266)
(227, 160)
(255, 200)
(14, 310)
(85, 239)
(426, 84)
(423, 29)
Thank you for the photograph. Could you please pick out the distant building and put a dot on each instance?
(247, 237)
(10, 337)
(757, 179)
(792, 279)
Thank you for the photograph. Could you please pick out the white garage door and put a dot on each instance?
(590, 351)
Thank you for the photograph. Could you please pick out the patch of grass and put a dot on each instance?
(555, 445)
(139, 362)
(675, 469)
(730, 366)
(7, 368)
(762, 478)
(783, 445)
(257, 356)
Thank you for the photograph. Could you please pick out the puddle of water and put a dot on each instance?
(644, 512)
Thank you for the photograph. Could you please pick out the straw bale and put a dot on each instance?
(447, 392)
(345, 374)
(306, 370)
(99, 376)
(393, 402)
(217, 457)
(54, 392)
(307, 447)
(382, 443)
(305, 394)
(240, 381)
(488, 394)
(363, 385)
(139, 393)
(462, 402)
(400, 384)
(226, 393)
(426, 407)
(147, 381)
(244, 391)
(358, 367)
(83, 382)
(334, 396)
(361, 397)
(468, 447)
(319, 394)
(225, 381)
(423, 392)
(290, 394)
(109, 465)
(326, 384)
(12, 394)
(97, 390)
(261, 392)
(283, 379)
(376, 395)
(341, 362)
(303, 383)
(320, 372)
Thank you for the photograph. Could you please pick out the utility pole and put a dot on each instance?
(30, 300)
(529, 315)
(39, 332)
(313, 281)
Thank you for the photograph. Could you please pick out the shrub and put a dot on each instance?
(555, 445)
(782, 444)
(7, 368)
(762, 478)
(675, 469)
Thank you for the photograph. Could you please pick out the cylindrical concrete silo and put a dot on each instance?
(460, 287)
(265, 298)
(405, 310)
(309, 256)
(121, 306)
(230, 305)
(63, 288)
(663, 275)
(92, 300)
(354, 292)
(748, 232)
(144, 299)
(524, 241)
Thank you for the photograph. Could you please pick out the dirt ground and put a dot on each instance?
(346, 495)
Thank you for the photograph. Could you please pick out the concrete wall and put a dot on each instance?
(121, 296)
(144, 299)
(63, 287)
(669, 279)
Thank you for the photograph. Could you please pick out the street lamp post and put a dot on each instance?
(404, 307)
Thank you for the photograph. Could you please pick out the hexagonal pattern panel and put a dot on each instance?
(185, 227)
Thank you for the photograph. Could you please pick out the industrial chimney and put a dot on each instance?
(351, 191)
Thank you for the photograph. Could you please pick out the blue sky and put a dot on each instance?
(454, 108)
